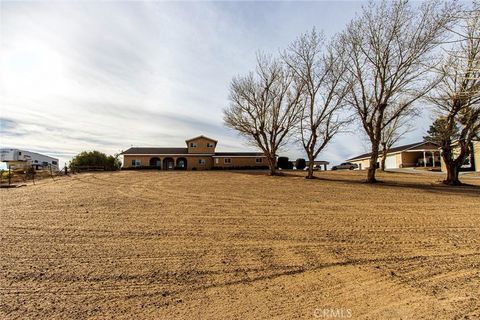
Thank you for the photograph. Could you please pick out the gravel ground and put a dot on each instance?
(240, 245)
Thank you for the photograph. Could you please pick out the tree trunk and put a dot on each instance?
(373, 165)
(452, 166)
(452, 175)
(272, 165)
(273, 171)
(310, 168)
(384, 157)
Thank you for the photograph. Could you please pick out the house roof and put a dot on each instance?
(158, 151)
(201, 136)
(239, 154)
(149, 150)
(407, 147)
(318, 162)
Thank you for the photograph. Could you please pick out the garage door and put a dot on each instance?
(391, 162)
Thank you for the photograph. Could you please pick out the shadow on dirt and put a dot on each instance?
(438, 187)
(465, 189)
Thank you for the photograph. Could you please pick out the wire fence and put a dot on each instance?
(14, 177)
(17, 177)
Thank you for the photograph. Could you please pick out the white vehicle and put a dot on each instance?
(16, 158)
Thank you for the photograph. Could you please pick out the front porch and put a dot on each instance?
(158, 163)
(420, 158)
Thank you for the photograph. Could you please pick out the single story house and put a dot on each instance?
(420, 154)
(199, 154)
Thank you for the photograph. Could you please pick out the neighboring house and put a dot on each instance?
(472, 162)
(198, 155)
(420, 154)
(16, 158)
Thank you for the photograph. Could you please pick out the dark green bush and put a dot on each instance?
(94, 159)
(300, 164)
(283, 163)
(290, 165)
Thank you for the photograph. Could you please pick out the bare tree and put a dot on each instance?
(319, 70)
(389, 51)
(264, 107)
(457, 98)
(393, 133)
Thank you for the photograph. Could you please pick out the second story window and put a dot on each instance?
(193, 145)
(210, 145)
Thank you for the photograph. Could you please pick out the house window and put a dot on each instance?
(227, 160)
(258, 160)
(210, 145)
(216, 161)
(193, 145)
(201, 162)
(36, 161)
(54, 162)
(135, 162)
(19, 153)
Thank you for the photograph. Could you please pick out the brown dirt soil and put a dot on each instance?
(240, 245)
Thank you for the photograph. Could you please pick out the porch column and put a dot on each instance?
(433, 159)
(424, 159)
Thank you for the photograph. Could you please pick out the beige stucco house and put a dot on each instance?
(199, 154)
(420, 154)
(472, 163)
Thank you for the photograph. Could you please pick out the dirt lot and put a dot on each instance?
(232, 245)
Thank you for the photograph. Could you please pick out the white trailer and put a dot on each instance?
(16, 158)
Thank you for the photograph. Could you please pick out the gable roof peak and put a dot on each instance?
(200, 136)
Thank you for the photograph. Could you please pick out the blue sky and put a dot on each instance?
(105, 76)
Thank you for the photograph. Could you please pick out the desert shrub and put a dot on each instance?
(6, 174)
(300, 164)
(30, 173)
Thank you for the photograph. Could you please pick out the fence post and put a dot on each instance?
(51, 172)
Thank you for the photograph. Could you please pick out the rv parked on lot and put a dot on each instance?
(16, 158)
